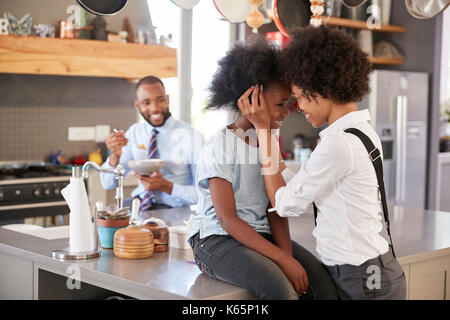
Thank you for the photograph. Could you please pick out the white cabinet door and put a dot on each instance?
(16, 278)
(429, 280)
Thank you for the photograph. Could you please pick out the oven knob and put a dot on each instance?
(47, 191)
(57, 191)
(2, 195)
(37, 192)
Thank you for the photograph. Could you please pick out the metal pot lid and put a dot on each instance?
(186, 4)
(426, 9)
(103, 7)
(353, 3)
(233, 11)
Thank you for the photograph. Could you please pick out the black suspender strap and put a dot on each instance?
(377, 162)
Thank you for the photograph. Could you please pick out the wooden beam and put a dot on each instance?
(78, 57)
(358, 24)
(383, 60)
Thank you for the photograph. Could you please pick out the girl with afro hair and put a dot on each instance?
(233, 237)
(328, 73)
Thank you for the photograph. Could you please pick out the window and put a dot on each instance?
(166, 20)
(210, 42)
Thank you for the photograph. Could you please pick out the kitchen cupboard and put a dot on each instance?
(443, 182)
(79, 57)
(17, 276)
(429, 280)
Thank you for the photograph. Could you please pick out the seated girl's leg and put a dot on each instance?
(226, 259)
(321, 284)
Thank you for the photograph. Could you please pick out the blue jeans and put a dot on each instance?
(224, 258)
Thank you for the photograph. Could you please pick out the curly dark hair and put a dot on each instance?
(253, 62)
(328, 62)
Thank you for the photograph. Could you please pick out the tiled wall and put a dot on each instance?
(36, 111)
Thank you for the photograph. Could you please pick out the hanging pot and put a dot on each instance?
(353, 3)
(234, 11)
(186, 4)
(289, 14)
(426, 9)
(103, 7)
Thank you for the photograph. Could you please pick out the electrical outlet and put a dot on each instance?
(81, 133)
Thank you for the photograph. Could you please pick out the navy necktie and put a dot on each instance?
(153, 153)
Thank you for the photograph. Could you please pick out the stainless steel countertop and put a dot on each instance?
(417, 235)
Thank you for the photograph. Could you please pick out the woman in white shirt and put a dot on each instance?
(328, 73)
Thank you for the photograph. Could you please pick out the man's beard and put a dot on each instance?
(166, 115)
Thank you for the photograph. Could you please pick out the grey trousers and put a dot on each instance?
(381, 278)
(224, 258)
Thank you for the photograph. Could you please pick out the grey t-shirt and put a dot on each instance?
(228, 157)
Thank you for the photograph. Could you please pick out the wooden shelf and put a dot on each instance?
(78, 57)
(391, 61)
(362, 25)
(357, 24)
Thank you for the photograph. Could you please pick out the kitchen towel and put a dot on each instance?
(81, 226)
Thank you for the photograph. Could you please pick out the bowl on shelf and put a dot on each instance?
(145, 167)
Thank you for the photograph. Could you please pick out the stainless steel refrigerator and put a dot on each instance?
(398, 104)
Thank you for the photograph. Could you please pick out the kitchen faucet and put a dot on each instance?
(118, 171)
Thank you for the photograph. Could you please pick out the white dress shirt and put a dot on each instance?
(178, 145)
(340, 179)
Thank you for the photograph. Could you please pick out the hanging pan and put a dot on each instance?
(426, 9)
(353, 3)
(235, 11)
(186, 4)
(289, 14)
(103, 7)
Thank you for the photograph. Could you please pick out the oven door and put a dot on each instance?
(45, 214)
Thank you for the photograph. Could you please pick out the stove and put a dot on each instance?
(32, 189)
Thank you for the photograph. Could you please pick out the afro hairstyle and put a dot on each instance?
(254, 62)
(328, 62)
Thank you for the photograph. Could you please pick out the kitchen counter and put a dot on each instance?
(419, 236)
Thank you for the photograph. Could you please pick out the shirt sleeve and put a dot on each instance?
(213, 165)
(188, 193)
(108, 180)
(327, 165)
(287, 175)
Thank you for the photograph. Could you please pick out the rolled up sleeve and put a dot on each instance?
(287, 175)
(330, 162)
(108, 180)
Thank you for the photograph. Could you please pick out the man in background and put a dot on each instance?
(161, 136)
